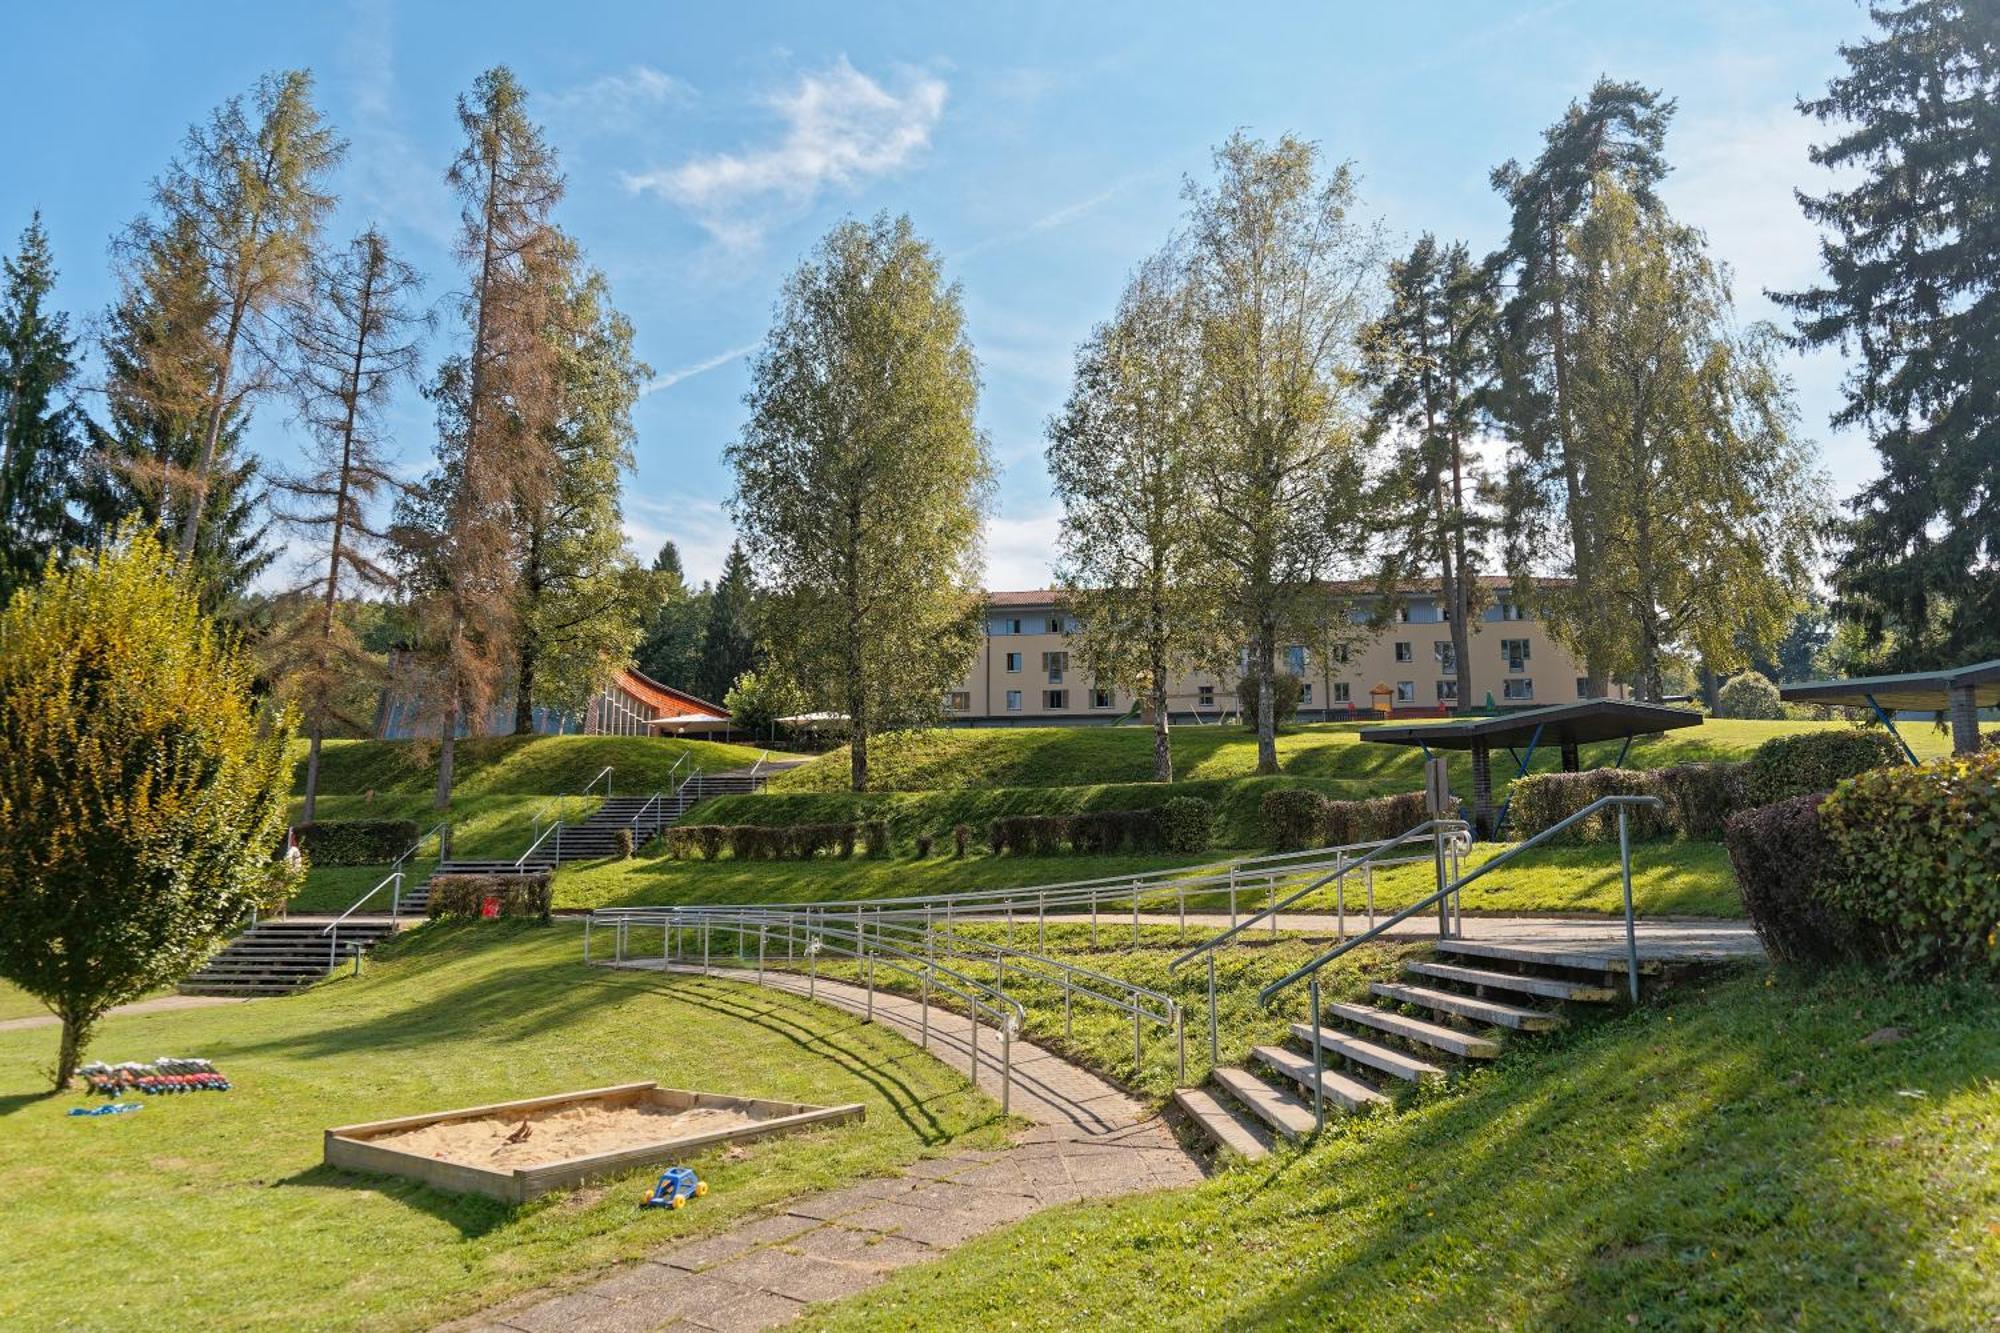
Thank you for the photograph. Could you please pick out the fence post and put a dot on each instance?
(1631, 930)
(760, 953)
(1006, 1064)
(1319, 1093)
(1138, 1048)
(927, 1009)
(1214, 1059)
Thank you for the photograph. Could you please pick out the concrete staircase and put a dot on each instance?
(284, 956)
(1444, 1013)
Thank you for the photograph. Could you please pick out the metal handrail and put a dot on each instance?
(554, 830)
(561, 803)
(1486, 867)
(395, 875)
(1456, 827)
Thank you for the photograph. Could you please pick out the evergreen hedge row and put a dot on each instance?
(464, 896)
(355, 842)
(1298, 819)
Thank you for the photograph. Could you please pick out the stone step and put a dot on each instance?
(1280, 1110)
(1581, 960)
(1343, 1090)
(1466, 1006)
(1226, 1128)
(192, 986)
(1553, 988)
(1415, 1030)
(1363, 1052)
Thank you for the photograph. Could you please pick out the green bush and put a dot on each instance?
(961, 840)
(1701, 797)
(1187, 824)
(1749, 695)
(1540, 801)
(355, 842)
(626, 843)
(1918, 852)
(875, 836)
(1285, 693)
(1814, 761)
(1784, 860)
(1293, 819)
(464, 896)
(709, 838)
(1372, 820)
(925, 842)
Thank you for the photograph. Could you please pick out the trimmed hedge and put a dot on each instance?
(760, 842)
(1187, 824)
(464, 896)
(355, 842)
(1182, 824)
(1297, 819)
(1293, 819)
(1702, 797)
(1814, 761)
(1919, 862)
(1699, 799)
(1784, 864)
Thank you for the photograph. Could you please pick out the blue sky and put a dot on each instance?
(1041, 146)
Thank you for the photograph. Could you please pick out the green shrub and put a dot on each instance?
(1701, 797)
(625, 843)
(875, 836)
(925, 841)
(961, 840)
(1187, 824)
(1540, 801)
(1814, 761)
(1918, 861)
(1783, 860)
(1293, 819)
(1374, 819)
(1749, 695)
(709, 839)
(464, 896)
(355, 842)
(1285, 693)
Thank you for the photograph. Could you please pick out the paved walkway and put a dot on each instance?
(159, 1004)
(1089, 1141)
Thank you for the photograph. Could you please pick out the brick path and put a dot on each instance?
(1089, 1141)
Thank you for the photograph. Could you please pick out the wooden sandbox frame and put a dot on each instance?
(349, 1147)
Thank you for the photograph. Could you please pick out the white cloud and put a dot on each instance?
(1021, 552)
(386, 174)
(715, 362)
(699, 527)
(840, 128)
(620, 100)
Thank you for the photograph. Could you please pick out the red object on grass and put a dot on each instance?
(489, 907)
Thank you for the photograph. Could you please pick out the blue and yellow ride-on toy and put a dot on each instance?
(677, 1185)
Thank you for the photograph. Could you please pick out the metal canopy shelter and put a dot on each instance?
(1958, 691)
(1570, 726)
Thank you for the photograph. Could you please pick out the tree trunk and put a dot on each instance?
(524, 688)
(1265, 666)
(857, 756)
(312, 772)
(1163, 745)
(446, 755)
(75, 1034)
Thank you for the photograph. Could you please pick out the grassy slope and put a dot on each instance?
(213, 1209)
(1063, 756)
(1731, 1157)
(515, 765)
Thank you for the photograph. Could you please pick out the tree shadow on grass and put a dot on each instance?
(473, 1215)
(1721, 1191)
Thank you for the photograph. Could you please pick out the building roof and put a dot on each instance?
(668, 704)
(1040, 597)
(1580, 723)
(1909, 690)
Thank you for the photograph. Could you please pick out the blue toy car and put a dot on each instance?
(677, 1185)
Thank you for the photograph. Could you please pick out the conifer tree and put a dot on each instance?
(1616, 134)
(670, 649)
(729, 641)
(1428, 360)
(42, 440)
(1912, 286)
(356, 336)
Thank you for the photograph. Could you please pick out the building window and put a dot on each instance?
(1518, 689)
(1446, 656)
(1013, 701)
(960, 701)
(1340, 652)
(1516, 653)
(1055, 664)
(1055, 625)
(1583, 687)
(1204, 696)
(1295, 659)
(1056, 699)
(1342, 692)
(1306, 693)
(1406, 691)
(1013, 661)
(1403, 614)
(1512, 611)
(1447, 691)
(1405, 652)
(1100, 697)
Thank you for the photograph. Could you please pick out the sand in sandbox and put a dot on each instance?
(561, 1133)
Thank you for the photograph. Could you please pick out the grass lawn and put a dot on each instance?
(1669, 878)
(1732, 1156)
(979, 757)
(213, 1209)
(515, 765)
(17, 1003)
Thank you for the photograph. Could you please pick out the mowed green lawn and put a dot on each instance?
(212, 1210)
(1735, 1155)
(977, 757)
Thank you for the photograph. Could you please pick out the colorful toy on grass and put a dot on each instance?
(109, 1108)
(165, 1075)
(677, 1185)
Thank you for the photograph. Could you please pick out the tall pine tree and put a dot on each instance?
(670, 649)
(41, 428)
(1912, 261)
(729, 641)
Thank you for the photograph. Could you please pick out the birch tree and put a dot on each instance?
(1122, 458)
(1280, 279)
(862, 479)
